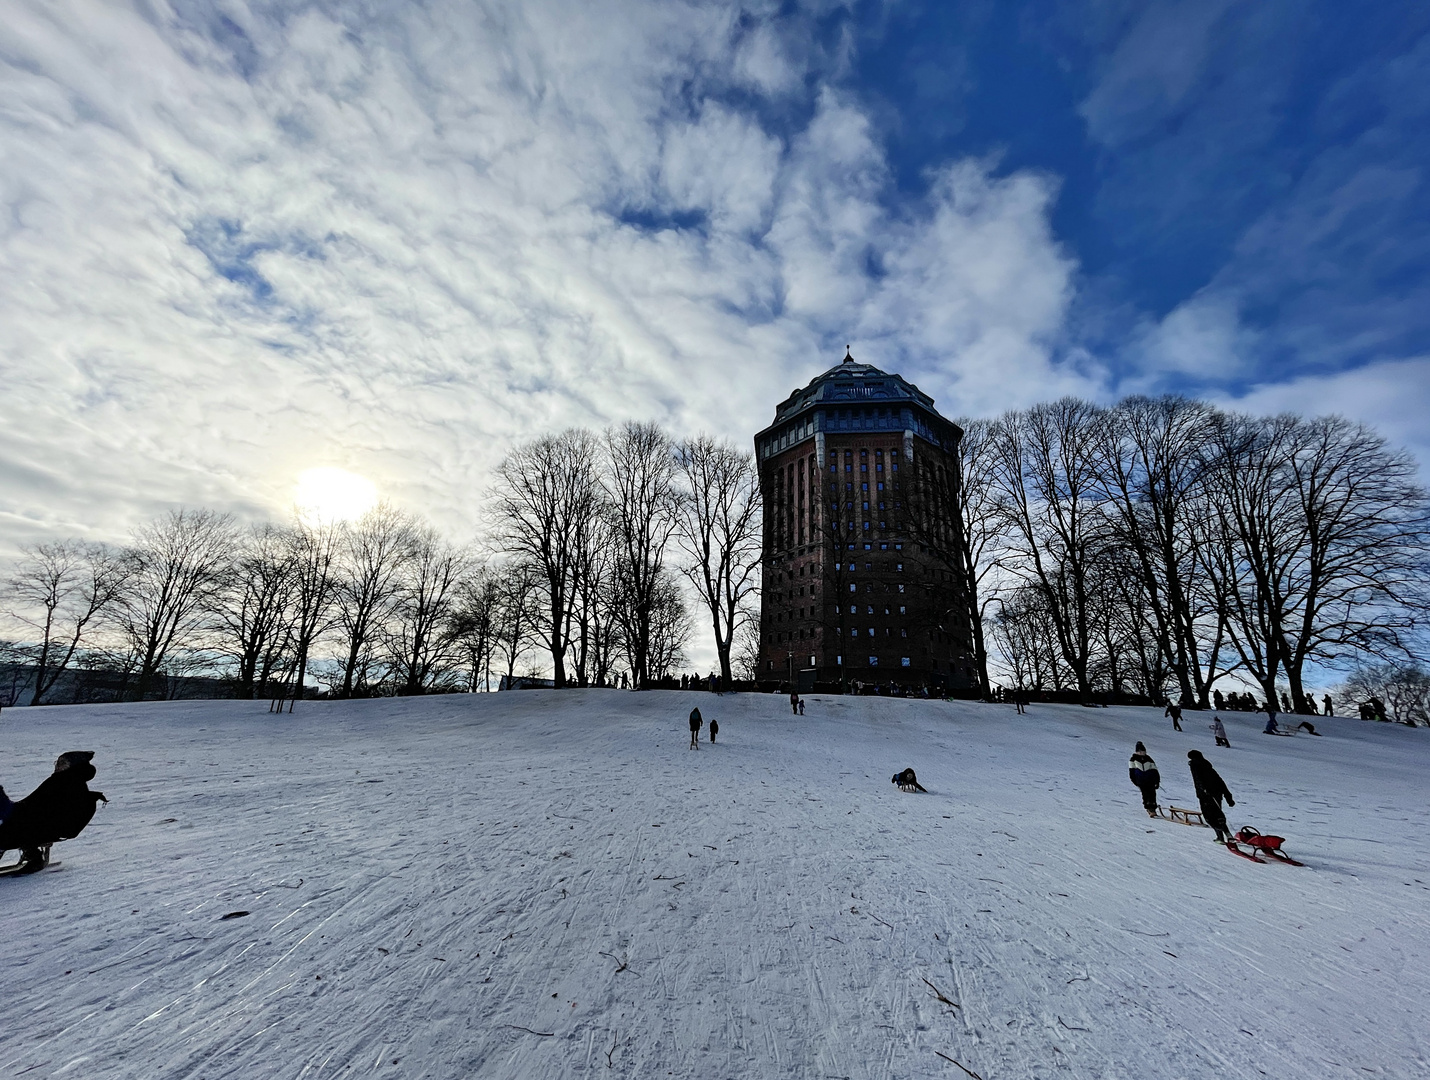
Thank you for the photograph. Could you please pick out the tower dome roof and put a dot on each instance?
(850, 382)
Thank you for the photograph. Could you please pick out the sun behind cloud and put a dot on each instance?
(329, 495)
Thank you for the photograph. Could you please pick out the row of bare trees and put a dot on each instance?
(581, 572)
(1152, 548)
(600, 528)
(1158, 545)
(195, 594)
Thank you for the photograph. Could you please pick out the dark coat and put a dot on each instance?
(695, 720)
(58, 809)
(1209, 784)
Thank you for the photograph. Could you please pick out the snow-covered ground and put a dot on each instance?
(550, 884)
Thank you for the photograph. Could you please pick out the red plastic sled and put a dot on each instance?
(1262, 845)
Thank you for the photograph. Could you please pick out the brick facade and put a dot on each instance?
(856, 470)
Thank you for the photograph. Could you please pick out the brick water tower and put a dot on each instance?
(861, 571)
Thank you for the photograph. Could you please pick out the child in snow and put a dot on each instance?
(1175, 712)
(1219, 732)
(714, 729)
(801, 706)
(1211, 789)
(1271, 728)
(1142, 771)
(695, 722)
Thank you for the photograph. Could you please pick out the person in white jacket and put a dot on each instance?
(1219, 732)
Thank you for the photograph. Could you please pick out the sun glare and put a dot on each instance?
(330, 495)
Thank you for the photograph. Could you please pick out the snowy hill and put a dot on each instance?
(552, 885)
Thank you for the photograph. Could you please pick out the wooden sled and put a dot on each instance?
(1186, 817)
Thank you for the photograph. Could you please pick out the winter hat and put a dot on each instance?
(1194, 753)
(1142, 748)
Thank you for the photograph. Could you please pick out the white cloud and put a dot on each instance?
(239, 242)
(1202, 340)
(1392, 396)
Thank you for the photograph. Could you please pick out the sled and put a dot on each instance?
(1261, 845)
(1186, 817)
(23, 867)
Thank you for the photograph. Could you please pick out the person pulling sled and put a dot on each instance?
(58, 809)
(1142, 771)
(1211, 790)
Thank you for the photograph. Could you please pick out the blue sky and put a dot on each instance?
(1265, 159)
(242, 239)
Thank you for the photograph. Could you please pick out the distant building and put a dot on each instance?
(861, 576)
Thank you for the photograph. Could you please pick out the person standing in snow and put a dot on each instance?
(1326, 705)
(801, 706)
(714, 728)
(695, 722)
(1142, 771)
(1219, 732)
(794, 702)
(1175, 712)
(1211, 789)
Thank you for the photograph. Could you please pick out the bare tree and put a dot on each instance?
(315, 545)
(719, 530)
(474, 626)
(420, 638)
(1358, 581)
(747, 650)
(15, 677)
(1046, 468)
(546, 500)
(172, 571)
(1026, 637)
(375, 554)
(251, 608)
(1404, 689)
(591, 622)
(518, 597)
(669, 629)
(64, 589)
(643, 507)
(1155, 458)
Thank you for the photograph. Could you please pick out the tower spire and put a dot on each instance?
(848, 356)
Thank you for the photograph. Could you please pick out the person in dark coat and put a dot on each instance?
(714, 729)
(695, 722)
(1211, 790)
(1142, 771)
(1175, 712)
(794, 702)
(58, 809)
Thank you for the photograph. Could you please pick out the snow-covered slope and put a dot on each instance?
(551, 884)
